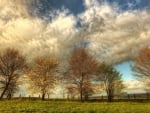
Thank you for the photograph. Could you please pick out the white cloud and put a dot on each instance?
(113, 36)
(35, 36)
(116, 36)
(134, 86)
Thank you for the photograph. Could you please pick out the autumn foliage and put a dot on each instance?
(41, 75)
(82, 68)
(142, 66)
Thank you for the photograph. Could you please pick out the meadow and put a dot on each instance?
(30, 106)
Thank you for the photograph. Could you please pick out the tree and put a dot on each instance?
(42, 75)
(142, 66)
(12, 88)
(88, 90)
(111, 80)
(12, 63)
(71, 92)
(82, 66)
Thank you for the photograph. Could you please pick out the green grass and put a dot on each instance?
(22, 106)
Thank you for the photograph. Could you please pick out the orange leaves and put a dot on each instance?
(82, 70)
(144, 56)
(142, 64)
(82, 63)
(42, 74)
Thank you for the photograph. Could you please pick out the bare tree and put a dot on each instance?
(142, 67)
(42, 75)
(12, 64)
(82, 66)
(12, 88)
(111, 80)
(88, 90)
(71, 92)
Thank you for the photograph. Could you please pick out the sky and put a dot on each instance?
(125, 69)
(113, 31)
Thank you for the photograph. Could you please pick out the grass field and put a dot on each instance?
(25, 106)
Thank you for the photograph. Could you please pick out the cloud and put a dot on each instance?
(35, 36)
(115, 36)
(11, 9)
(112, 35)
(134, 86)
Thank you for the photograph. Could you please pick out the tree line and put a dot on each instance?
(84, 72)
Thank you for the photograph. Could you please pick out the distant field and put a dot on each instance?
(22, 106)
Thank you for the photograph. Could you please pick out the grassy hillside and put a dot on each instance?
(19, 106)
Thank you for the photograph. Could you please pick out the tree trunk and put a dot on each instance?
(43, 96)
(81, 89)
(5, 89)
(9, 96)
(81, 95)
(3, 92)
(109, 98)
(86, 96)
(110, 94)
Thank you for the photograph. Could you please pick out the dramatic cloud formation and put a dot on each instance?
(32, 35)
(107, 31)
(116, 36)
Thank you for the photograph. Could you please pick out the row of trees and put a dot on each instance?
(84, 72)
(80, 79)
